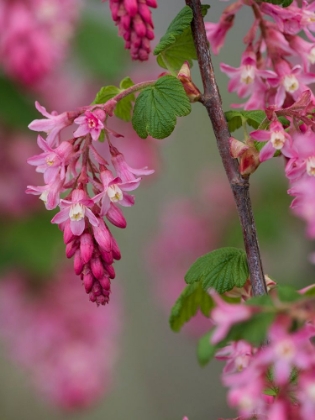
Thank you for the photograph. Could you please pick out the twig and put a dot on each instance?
(211, 99)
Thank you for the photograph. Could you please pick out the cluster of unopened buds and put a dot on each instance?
(134, 21)
(87, 189)
(275, 72)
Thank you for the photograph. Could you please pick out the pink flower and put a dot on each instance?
(277, 139)
(124, 171)
(52, 125)
(56, 334)
(224, 315)
(114, 192)
(303, 163)
(89, 123)
(53, 161)
(247, 78)
(216, 32)
(76, 210)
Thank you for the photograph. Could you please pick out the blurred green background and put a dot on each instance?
(157, 376)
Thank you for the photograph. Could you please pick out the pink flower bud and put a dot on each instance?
(107, 257)
(111, 271)
(71, 248)
(116, 217)
(102, 236)
(88, 281)
(78, 264)
(105, 283)
(97, 268)
(86, 247)
(237, 148)
(191, 89)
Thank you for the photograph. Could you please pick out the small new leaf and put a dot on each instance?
(192, 298)
(236, 119)
(205, 350)
(221, 269)
(157, 107)
(123, 108)
(177, 45)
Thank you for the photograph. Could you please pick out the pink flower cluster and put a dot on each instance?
(275, 75)
(275, 68)
(68, 347)
(34, 36)
(87, 189)
(275, 381)
(135, 25)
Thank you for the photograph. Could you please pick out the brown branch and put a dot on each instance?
(240, 186)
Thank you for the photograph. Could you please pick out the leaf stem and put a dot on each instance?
(211, 99)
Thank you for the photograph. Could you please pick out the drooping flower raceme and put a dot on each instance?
(86, 188)
(135, 25)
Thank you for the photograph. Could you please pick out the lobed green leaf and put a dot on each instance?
(157, 107)
(221, 269)
(236, 119)
(192, 298)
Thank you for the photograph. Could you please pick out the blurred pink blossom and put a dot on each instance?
(68, 347)
(34, 36)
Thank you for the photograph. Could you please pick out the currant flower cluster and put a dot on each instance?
(282, 371)
(87, 189)
(35, 35)
(275, 73)
(135, 25)
(54, 335)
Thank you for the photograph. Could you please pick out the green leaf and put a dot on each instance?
(192, 298)
(173, 57)
(271, 391)
(253, 330)
(177, 45)
(236, 119)
(123, 108)
(221, 269)
(157, 107)
(288, 294)
(16, 108)
(205, 350)
(176, 28)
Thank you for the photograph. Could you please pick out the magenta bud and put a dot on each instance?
(107, 257)
(102, 236)
(111, 271)
(105, 283)
(145, 13)
(116, 217)
(139, 26)
(67, 234)
(88, 281)
(92, 297)
(97, 268)
(131, 7)
(71, 248)
(78, 264)
(115, 249)
(86, 247)
(101, 300)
